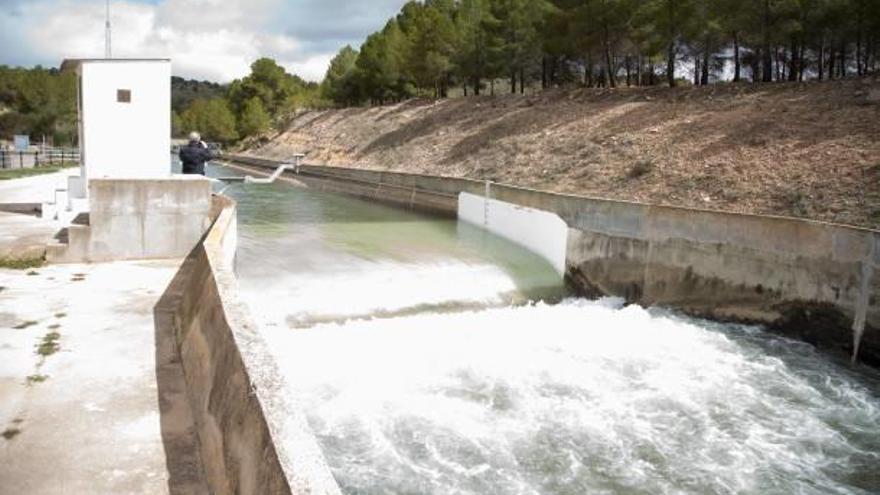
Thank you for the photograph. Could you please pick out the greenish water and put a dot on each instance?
(331, 258)
(432, 358)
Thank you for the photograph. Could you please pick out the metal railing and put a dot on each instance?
(247, 179)
(37, 158)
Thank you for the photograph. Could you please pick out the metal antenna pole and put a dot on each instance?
(107, 35)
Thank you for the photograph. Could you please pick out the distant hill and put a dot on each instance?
(185, 91)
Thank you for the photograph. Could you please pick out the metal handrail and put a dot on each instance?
(37, 158)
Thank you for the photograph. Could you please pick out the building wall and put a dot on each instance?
(125, 140)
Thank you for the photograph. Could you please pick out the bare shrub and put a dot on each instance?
(640, 169)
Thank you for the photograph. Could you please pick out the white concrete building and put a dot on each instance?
(124, 123)
(125, 204)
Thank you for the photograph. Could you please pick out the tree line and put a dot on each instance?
(41, 103)
(38, 102)
(246, 107)
(433, 45)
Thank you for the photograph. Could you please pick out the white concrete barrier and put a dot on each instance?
(541, 232)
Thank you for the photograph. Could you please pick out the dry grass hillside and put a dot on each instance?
(806, 150)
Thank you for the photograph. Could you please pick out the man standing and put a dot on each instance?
(194, 155)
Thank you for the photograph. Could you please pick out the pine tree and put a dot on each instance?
(667, 21)
(478, 49)
(432, 44)
(431, 36)
(518, 23)
(279, 91)
(212, 118)
(380, 65)
(254, 118)
(177, 128)
(340, 83)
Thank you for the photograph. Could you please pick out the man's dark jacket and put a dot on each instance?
(193, 157)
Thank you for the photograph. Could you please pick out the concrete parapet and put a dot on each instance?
(816, 281)
(244, 421)
(138, 219)
(437, 195)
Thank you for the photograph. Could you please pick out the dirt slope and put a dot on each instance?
(807, 150)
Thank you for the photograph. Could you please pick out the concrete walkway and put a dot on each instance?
(24, 235)
(79, 395)
(92, 395)
(36, 189)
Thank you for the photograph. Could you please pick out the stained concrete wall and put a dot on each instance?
(147, 218)
(138, 219)
(815, 281)
(252, 440)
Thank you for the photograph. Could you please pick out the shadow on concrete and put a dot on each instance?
(179, 437)
(29, 209)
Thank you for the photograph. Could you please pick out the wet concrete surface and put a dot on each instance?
(79, 395)
(24, 235)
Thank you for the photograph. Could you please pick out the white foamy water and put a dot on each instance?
(433, 378)
(580, 397)
(383, 288)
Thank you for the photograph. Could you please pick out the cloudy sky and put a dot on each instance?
(207, 39)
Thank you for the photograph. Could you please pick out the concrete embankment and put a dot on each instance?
(237, 396)
(811, 280)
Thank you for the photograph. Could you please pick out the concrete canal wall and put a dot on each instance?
(244, 423)
(815, 281)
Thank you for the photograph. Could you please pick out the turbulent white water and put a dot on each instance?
(580, 397)
(386, 288)
(405, 341)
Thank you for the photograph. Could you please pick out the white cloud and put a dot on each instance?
(200, 15)
(312, 68)
(207, 39)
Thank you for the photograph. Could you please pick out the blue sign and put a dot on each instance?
(22, 143)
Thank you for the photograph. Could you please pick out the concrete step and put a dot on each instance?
(61, 197)
(70, 244)
(49, 211)
(82, 218)
(56, 252)
(70, 214)
(57, 249)
(65, 216)
(78, 238)
(62, 204)
(78, 204)
(62, 236)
